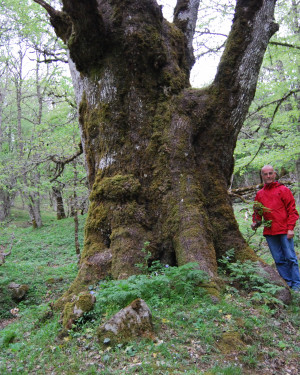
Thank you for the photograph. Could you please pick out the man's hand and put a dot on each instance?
(290, 234)
(255, 225)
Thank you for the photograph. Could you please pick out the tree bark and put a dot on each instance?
(59, 203)
(6, 201)
(74, 204)
(34, 209)
(159, 154)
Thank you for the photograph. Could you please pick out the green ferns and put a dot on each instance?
(250, 276)
(173, 284)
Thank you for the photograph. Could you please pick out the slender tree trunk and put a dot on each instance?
(296, 17)
(159, 153)
(19, 92)
(5, 204)
(76, 227)
(6, 192)
(59, 203)
(75, 210)
(34, 209)
(32, 178)
(2, 99)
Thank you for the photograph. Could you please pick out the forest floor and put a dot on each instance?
(245, 330)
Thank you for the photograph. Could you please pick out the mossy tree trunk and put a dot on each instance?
(59, 203)
(159, 153)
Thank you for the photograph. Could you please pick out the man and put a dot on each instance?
(276, 204)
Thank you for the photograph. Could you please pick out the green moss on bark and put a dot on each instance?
(116, 188)
(74, 310)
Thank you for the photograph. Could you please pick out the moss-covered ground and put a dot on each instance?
(237, 332)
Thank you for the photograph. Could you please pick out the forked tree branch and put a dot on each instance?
(61, 162)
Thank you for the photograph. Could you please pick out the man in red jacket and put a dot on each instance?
(276, 205)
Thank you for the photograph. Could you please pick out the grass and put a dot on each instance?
(196, 333)
(43, 258)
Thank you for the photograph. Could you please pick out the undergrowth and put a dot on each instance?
(44, 259)
(172, 284)
(251, 278)
(245, 330)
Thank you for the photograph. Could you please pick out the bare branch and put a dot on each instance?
(60, 163)
(49, 61)
(207, 32)
(209, 49)
(284, 45)
(279, 102)
(53, 57)
(274, 102)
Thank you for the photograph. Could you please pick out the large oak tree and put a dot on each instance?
(159, 153)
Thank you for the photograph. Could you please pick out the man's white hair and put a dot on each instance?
(267, 166)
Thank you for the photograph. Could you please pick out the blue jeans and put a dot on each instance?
(285, 258)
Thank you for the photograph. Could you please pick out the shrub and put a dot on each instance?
(175, 283)
(249, 276)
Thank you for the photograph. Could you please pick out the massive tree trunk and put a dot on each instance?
(159, 153)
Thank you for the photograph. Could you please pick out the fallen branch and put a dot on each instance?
(252, 189)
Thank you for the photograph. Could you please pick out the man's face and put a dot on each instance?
(268, 175)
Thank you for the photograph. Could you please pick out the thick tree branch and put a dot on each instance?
(59, 20)
(252, 28)
(246, 189)
(185, 17)
(50, 10)
(82, 34)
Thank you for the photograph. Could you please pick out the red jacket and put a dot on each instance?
(279, 208)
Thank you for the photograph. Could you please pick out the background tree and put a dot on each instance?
(37, 104)
(159, 154)
(270, 133)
